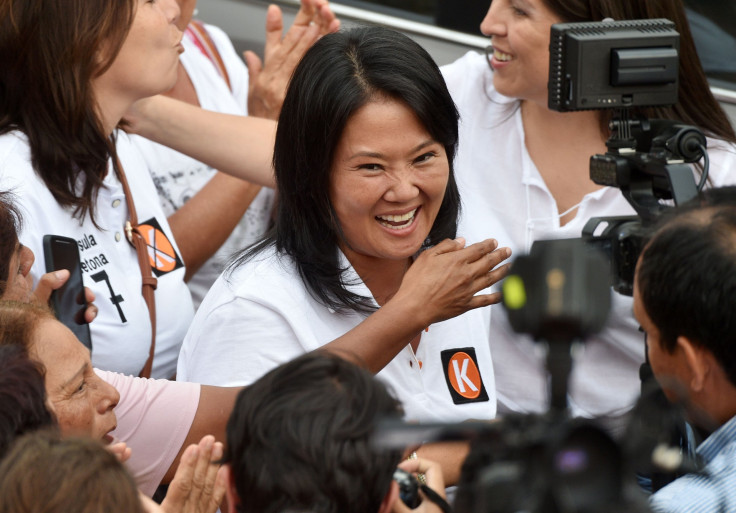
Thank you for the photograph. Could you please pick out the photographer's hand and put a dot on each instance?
(433, 475)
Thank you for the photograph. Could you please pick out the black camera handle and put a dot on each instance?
(647, 160)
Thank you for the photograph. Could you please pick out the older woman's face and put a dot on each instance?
(387, 181)
(82, 402)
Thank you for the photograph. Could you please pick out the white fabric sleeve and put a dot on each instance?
(154, 418)
(236, 343)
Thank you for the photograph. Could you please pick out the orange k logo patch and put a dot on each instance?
(161, 253)
(463, 376)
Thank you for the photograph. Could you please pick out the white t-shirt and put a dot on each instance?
(178, 177)
(154, 417)
(121, 333)
(505, 197)
(262, 315)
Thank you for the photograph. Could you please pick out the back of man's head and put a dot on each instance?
(299, 439)
(686, 278)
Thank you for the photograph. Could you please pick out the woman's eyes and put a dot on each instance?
(425, 157)
(82, 386)
(371, 167)
(517, 10)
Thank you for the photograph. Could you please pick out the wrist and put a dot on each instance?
(408, 312)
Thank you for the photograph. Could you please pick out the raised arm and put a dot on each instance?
(213, 411)
(236, 145)
(241, 147)
(442, 283)
(268, 80)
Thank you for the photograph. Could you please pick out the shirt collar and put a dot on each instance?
(718, 440)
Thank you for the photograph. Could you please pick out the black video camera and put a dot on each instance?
(622, 65)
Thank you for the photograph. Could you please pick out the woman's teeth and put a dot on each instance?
(397, 222)
(500, 56)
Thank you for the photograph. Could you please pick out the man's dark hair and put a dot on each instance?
(686, 278)
(341, 73)
(22, 396)
(299, 439)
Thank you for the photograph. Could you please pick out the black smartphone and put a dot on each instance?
(68, 302)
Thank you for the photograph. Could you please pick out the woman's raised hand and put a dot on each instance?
(444, 281)
(268, 79)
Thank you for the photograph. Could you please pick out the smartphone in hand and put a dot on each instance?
(68, 302)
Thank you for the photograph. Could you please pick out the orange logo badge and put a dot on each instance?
(161, 253)
(463, 376)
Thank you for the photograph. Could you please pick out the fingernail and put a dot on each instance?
(217, 451)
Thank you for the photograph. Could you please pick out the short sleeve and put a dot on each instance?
(154, 417)
(235, 343)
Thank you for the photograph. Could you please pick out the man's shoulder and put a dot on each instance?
(711, 490)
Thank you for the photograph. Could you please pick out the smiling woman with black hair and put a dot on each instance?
(364, 237)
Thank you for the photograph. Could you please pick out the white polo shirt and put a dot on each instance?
(262, 315)
(121, 333)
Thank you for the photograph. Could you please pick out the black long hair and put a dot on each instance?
(338, 75)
